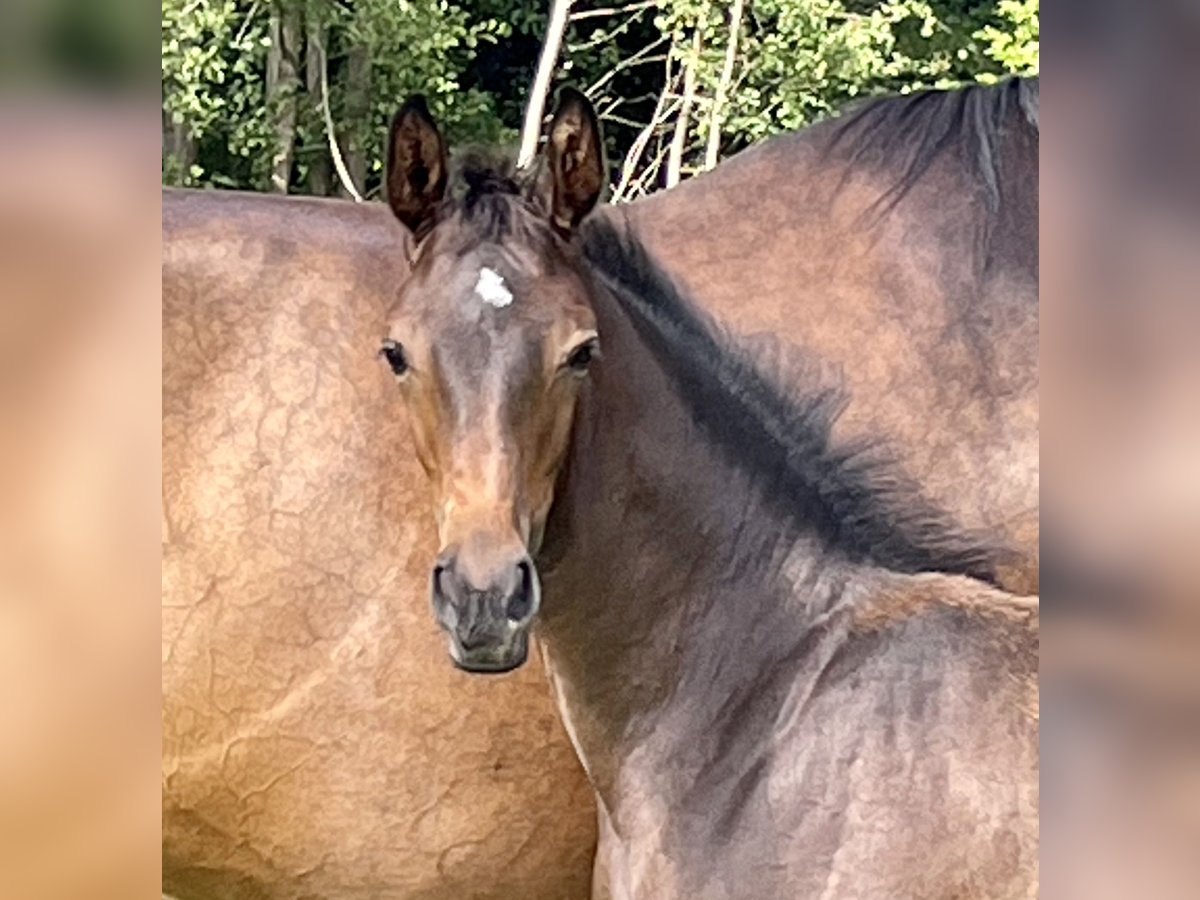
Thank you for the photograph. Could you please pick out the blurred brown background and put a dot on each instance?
(1121, 446)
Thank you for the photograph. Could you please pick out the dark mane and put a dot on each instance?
(493, 201)
(908, 133)
(479, 172)
(854, 496)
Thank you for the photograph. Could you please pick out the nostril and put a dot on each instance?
(521, 602)
(439, 589)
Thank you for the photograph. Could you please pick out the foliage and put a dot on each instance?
(421, 48)
(801, 60)
(797, 61)
(1014, 41)
(212, 55)
(214, 72)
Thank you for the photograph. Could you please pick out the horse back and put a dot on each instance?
(924, 299)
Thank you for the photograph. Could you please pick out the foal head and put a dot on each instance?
(490, 340)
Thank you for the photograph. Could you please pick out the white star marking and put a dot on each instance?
(492, 290)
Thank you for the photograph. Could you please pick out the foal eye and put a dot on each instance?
(581, 357)
(394, 354)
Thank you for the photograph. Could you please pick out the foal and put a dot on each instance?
(767, 649)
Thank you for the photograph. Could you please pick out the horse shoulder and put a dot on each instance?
(982, 638)
(928, 703)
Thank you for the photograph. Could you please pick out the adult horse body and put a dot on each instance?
(766, 646)
(314, 745)
(899, 244)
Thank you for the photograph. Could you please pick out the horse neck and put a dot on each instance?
(670, 581)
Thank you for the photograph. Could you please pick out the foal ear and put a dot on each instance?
(575, 157)
(416, 158)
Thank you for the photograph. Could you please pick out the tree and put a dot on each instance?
(279, 93)
(547, 60)
(282, 89)
(316, 73)
(241, 83)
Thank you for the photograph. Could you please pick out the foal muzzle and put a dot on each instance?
(487, 624)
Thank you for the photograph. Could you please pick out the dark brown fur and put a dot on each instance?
(774, 688)
(926, 304)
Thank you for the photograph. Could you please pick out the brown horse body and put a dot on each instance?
(768, 657)
(764, 709)
(314, 742)
(900, 246)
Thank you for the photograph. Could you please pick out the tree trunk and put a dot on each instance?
(714, 122)
(551, 44)
(358, 113)
(319, 174)
(283, 85)
(178, 146)
(679, 140)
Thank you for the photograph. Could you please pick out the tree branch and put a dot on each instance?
(639, 186)
(714, 121)
(604, 37)
(679, 140)
(334, 150)
(633, 60)
(241, 33)
(613, 10)
(532, 129)
(660, 115)
(282, 91)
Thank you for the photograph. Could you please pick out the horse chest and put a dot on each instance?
(634, 864)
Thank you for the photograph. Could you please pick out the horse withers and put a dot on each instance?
(897, 242)
(782, 666)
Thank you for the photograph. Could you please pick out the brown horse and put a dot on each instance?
(955, 393)
(766, 649)
(314, 745)
(898, 243)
